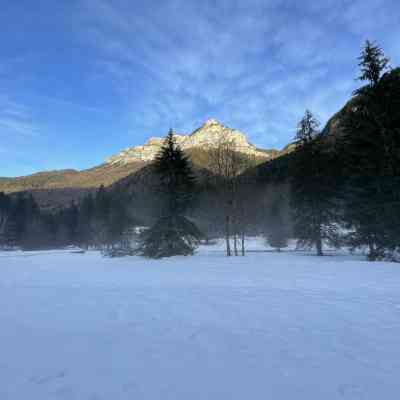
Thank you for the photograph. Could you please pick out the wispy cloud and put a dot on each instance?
(255, 66)
(98, 75)
(16, 119)
(69, 104)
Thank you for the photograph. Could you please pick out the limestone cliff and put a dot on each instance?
(209, 135)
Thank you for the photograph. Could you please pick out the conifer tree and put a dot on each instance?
(86, 228)
(11, 239)
(370, 152)
(176, 179)
(102, 215)
(71, 222)
(277, 229)
(372, 63)
(119, 219)
(312, 188)
(172, 234)
(5, 205)
(20, 217)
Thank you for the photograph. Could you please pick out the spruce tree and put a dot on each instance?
(312, 188)
(22, 216)
(11, 239)
(5, 204)
(172, 234)
(372, 63)
(119, 221)
(370, 152)
(176, 179)
(102, 215)
(5, 207)
(277, 230)
(72, 222)
(86, 228)
(19, 218)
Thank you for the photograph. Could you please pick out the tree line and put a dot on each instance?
(340, 190)
(99, 220)
(348, 192)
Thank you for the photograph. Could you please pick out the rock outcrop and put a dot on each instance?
(209, 135)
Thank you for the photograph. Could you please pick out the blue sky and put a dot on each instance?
(82, 79)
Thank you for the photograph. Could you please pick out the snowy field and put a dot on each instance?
(267, 326)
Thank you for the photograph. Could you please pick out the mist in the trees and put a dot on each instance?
(325, 190)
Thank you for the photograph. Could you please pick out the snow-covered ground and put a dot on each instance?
(266, 326)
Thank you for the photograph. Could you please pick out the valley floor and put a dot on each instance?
(266, 326)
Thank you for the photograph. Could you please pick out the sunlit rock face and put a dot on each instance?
(209, 135)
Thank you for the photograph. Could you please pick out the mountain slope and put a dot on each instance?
(104, 174)
(54, 188)
(209, 135)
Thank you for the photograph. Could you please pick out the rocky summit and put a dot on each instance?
(209, 135)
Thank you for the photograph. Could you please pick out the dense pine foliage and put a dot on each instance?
(369, 152)
(101, 221)
(313, 188)
(172, 234)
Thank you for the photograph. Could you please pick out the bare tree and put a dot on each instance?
(227, 163)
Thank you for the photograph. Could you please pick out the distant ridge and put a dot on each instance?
(61, 186)
(205, 137)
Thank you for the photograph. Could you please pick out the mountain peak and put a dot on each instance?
(211, 121)
(209, 135)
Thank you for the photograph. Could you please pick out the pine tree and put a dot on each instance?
(71, 222)
(11, 239)
(22, 215)
(176, 179)
(5, 204)
(102, 215)
(5, 207)
(50, 229)
(372, 63)
(277, 229)
(34, 235)
(19, 218)
(172, 234)
(119, 219)
(312, 188)
(86, 228)
(370, 152)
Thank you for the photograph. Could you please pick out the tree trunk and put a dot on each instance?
(243, 249)
(372, 251)
(227, 233)
(235, 239)
(319, 243)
